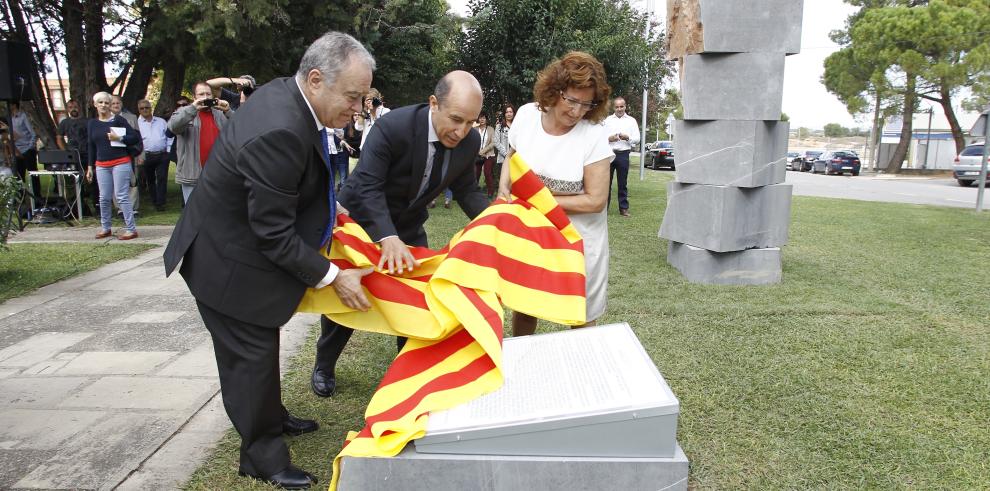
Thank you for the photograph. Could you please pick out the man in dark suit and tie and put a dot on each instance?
(411, 155)
(250, 236)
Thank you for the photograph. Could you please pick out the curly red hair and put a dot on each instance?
(576, 69)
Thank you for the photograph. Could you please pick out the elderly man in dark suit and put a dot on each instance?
(250, 236)
(411, 155)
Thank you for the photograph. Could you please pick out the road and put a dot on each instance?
(920, 191)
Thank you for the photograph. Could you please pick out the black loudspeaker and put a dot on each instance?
(15, 71)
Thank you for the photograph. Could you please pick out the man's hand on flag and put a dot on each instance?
(347, 284)
(396, 255)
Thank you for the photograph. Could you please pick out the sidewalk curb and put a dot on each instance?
(175, 461)
(50, 292)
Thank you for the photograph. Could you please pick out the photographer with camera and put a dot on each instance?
(374, 108)
(196, 127)
(243, 85)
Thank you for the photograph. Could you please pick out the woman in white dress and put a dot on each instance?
(562, 139)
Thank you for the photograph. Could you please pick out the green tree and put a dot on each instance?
(900, 51)
(506, 42)
(835, 130)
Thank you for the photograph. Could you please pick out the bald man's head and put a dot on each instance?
(455, 104)
(458, 79)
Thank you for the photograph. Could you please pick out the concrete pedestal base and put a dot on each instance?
(413, 471)
(745, 154)
(725, 218)
(749, 267)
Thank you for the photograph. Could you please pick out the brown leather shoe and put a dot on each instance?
(624, 212)
(102, 234)
(127, 236)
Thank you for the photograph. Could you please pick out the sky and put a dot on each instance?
(805, 101)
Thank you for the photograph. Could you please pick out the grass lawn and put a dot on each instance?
(147, 215)
(27, 267)
(867, 367)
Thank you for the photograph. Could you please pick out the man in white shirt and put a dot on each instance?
(155, 156)
(623, 135)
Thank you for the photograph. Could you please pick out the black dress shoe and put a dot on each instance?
(324, 384)
(296, 426)
(291, 477)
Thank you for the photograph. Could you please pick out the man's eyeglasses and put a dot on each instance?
(576, 104)
(142, 108)
(182, 104)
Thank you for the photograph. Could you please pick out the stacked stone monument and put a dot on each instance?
(728, 211)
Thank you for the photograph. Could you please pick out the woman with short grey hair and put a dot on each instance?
(109, 135)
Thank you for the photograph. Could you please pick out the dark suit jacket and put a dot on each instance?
(249, 235)
(381, 193)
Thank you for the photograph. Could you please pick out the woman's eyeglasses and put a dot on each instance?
(576, 104)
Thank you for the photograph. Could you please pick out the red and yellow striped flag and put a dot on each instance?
(524, 254)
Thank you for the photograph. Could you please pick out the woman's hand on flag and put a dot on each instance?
(396, 255)
(347, 284)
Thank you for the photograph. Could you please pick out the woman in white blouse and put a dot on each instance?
(562, 139)
(374, 108)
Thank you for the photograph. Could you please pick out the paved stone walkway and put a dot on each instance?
(108, 380)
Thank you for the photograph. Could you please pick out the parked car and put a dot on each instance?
(837, 162)
(966, 167)
(661, 155)
(807, 159)
(793, 157)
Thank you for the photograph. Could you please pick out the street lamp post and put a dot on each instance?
(928, 142)
(642, 138)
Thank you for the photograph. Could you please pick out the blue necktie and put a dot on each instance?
(325, 240)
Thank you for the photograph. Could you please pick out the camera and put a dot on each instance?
(209, 102)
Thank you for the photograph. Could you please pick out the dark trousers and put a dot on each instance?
(28, 161)
(93, 189)
(341, 167)
(156, 172)
(333, 338)
(485, 165)
(247, 360)
(621, 166)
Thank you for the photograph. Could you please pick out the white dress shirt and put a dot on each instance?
(626, 125)
(153, 134)
(334, 270)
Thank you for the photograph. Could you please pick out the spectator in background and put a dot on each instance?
(486, 155)
(508, 113)
(623, 133)
(108, 137)
(25, 151)
(117, 108)
(72, 136)
(340, 162)
(374, 108)
(243, 87)
(196, 128)
(182, 102)
(155, 156)
(352, 138)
